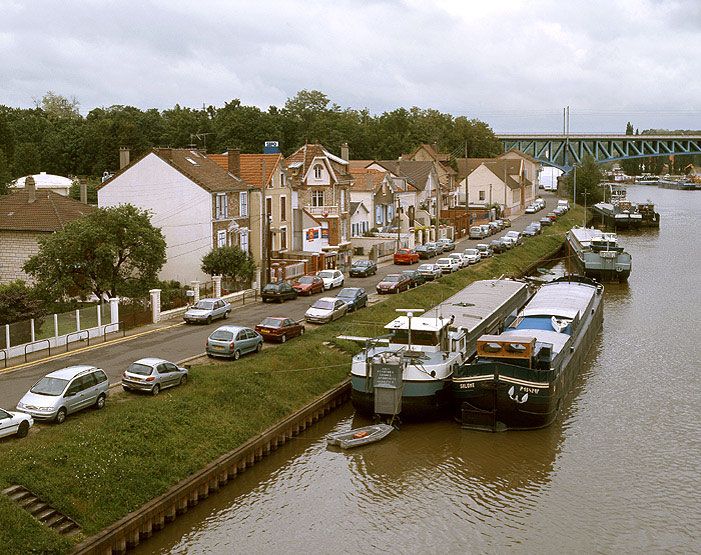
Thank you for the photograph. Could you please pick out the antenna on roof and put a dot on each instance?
(200, 137)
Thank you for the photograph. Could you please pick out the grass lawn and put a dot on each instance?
(99, 466)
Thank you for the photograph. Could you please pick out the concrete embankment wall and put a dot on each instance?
(140, 524)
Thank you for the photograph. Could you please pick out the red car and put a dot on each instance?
(279, 329)
(308, 285)
(406, 256)
(393, 283)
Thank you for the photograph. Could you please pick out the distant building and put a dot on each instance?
(56, 183)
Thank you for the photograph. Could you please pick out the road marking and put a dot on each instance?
(65, 354)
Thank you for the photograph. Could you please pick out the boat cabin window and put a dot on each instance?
(418, 337)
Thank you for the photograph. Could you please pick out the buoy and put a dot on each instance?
(358, 435)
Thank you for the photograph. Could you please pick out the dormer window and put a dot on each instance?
(317, 171)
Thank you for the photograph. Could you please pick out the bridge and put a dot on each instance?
(564, 151)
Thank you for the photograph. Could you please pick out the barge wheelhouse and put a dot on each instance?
(598, 255)
(520, 376)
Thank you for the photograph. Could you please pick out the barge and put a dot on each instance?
(598, 255)
(520, 377)
(408, 372)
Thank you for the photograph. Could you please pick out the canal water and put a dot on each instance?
(618, 472)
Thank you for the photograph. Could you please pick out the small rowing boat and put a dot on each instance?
(359, 436)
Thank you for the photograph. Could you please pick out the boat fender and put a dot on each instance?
(359, 435)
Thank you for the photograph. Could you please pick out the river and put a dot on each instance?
(619, 470)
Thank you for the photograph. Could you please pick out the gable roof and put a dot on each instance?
(521, 154)
(356, 164)
(500, 167)
(355, 206)
(367, 180)
(416, 172)
(431, 151)
(49, 212)
(252, 166)
(196, 166)
(304, 157)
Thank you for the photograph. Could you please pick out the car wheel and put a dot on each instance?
(183, 380)
(60, 416)
(125, 388)
(23, 429)
(341, 283)
(237, 354)
(283, 338)
(259, 347)
(100, 403)
(209, 319)
(155, 390)
(226, 314)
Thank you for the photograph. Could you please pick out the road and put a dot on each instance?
(180, 341)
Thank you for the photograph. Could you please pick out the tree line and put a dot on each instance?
(54, 137)
(656, 164)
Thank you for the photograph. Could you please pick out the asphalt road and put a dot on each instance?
(180, 341)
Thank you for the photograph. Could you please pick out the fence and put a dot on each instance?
(135, 312)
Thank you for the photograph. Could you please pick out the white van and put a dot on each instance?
(562, 203)
(476, 232)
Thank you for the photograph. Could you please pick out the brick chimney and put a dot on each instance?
(30, 187)
(234, 162)
(123, 157)
(345, 153)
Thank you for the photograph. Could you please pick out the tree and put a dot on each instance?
(231, 262)
(631, 166)
(57, 106)
(589, 176)
(5, 175)
(18, 302)
(113, 250)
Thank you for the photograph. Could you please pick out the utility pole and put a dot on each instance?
(574, 199)
(585, 194)
(399, 221)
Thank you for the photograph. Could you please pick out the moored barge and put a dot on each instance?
(598, 255)
(520, 377)
(408, 372)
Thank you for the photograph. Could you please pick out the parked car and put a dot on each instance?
(486, 230)
(494, 227)
(206, 310)
(461, 258)
(500, 223)
(363, 268)
(559, 211)
(64, 392)
(447, 244)
(393, 283)
(531, 209)
(476, 232)
(331, 278)
(434, 248)
(497, 246)
(534, 228)
(424, 252)
(354, 297)
(448, 265)
(274, 328)
(416, 277)
(233, 341)
(529, 232)
(15, 423)
(484, 250)
(516, 235)
(280, 292)
(152, 375)
(551, 215)
(406, 256)
(563, 204)
(308, 285)
(430, 271)
(325, 309)
(507, 222)
(535, 225)
(473, 255)
(545, 221)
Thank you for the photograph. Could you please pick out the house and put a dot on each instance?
(360, 219)
(509, 180)
(421, 175)
(27, 215)
(56, 183)
(374, 189)
(267, 173)
(321, 205)
(197, 204)
(446, 174)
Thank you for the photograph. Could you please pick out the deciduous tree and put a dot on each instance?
(114, 250)
(231, 262)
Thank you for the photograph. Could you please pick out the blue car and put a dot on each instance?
(354, 297)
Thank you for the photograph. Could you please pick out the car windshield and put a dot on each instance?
(408, 273)
(271, 287)
(271, 322)
(325, 274)
(306, 279)
(204, 305)
(49, 386)
(427, 267)
(347, 292)
(362, 263)
(222, 335)
(471, 252)
(392, 279)
(445, 260)
(140, 369)
(323, 305)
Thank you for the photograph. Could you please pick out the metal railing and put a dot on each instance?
(77, 334)
(34, 343)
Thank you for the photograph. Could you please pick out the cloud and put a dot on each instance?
(514, 64)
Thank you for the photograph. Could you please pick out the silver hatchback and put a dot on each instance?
(152, 375)
(206, 310)
(64, 392)
(233, 341)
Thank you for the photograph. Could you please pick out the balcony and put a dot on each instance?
(323, 211)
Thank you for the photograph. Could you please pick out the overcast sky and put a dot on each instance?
(514, 64)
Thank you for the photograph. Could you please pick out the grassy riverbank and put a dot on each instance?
(99, 466)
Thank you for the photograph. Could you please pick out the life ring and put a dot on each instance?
(359, 435)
